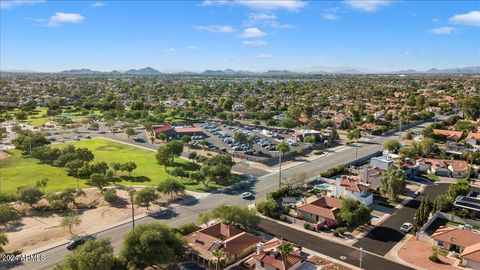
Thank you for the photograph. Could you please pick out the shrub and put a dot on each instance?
(317, 152)
(187, 228)
(6, 198)
(308, 226)
(110, 196)
(333, 171)
(179, 172)
(341, 230)
(434, 258)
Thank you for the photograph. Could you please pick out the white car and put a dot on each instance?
(246, 195)
(406, 227)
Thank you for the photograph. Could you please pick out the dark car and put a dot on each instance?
(75, 243)
(140, 140)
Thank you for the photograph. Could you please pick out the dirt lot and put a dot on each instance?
(36, 229)
(417, 252)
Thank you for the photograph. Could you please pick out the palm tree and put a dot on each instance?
(218, 256)
(282, 148)
(285, 249)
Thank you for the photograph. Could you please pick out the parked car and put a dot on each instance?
(75, 243)
(406, 227)
(246, 195)
(77, 138)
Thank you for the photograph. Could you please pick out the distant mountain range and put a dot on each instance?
(230, 72)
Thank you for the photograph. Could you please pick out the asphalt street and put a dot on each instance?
(385, 236)
(332, 249)
(180, 214)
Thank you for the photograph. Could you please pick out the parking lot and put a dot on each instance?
(256, 143)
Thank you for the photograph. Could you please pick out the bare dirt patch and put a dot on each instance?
(4, 155)
(37, 229)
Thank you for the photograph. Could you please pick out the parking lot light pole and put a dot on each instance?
(280, 170)
(131, 192)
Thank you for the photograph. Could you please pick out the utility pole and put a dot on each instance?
(280, 170)
(361, 249)
(132, 191)
(400, 131)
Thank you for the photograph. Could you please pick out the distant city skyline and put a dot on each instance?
(377, 35)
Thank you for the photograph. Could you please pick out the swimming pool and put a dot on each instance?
(323, 186)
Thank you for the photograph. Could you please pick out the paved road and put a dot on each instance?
(385, 236)
(332, 249)
(188, 213)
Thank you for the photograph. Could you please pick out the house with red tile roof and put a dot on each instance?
(268, 257)
(443, 167)
(235, 243)
(320, 210)
(473, 138)
(175, 131)
(449, 134)
(460, 240)
(348, 187)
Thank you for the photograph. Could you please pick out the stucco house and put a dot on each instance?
(320, 210)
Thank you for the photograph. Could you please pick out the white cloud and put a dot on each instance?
(5, 4)
(407, 53)
(192, 48)
(445, 30)
(252, 32)
(367, 5)
(254, 42)
(97, 4)
(471, 18)
(330, 17)
(260, 4)
(215, 28)
(271, 4)
(265, 19)
(264, 55)
(170, 50)
(61, 18)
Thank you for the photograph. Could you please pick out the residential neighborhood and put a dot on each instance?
(239, 135)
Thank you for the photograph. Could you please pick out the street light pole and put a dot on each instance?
(280, 170)
(133, 210)
(361, 249)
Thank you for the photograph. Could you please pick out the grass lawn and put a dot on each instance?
(19, 171)
(432, 177)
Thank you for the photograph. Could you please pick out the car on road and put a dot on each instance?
(88, 137)
(140, 140)
(75, 243)
(406, 227)
(246, 195)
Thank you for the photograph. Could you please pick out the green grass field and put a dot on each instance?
(18, 171)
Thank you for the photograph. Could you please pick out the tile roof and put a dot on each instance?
(450, 134)
(325, 207)
(454, 165)
(164, 127)
(474, 136)
(277, 261)
(472, 253)
(456, 236)
(187, 130)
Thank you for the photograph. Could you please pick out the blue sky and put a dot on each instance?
(248, 35)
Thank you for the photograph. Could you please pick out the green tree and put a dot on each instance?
(186, 139)
(129, 166)
(218, 257)
(130, 132)
(99, 181)
(163, 156)
(237, 215)
(116, 166)
(240, 137)
(175, 149)
(146, 196)
(193, 156)
(42, 184)
(93, 255)
(267, 207)
(285, 249)
(152, 244)
(353, 213)
(471, 106)
(204, 218)
(171, 187)
(71, 221)
(29, 195)
(391, 145)
(7, 214)
(392, 183)
(61, 200)
(3, 242)
(310, 139)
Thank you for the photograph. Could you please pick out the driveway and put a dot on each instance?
(331, 249)
(385, 236)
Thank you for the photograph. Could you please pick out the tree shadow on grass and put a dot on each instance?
(189, 166)
(138, 179)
